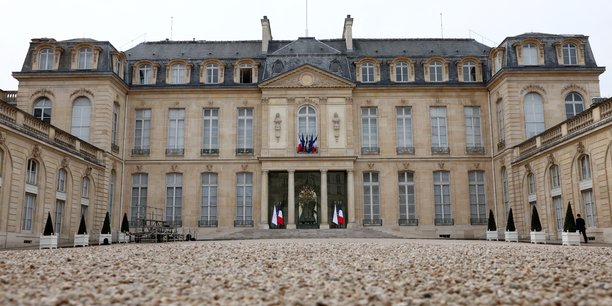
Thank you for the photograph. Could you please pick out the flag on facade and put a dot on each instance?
(279, 218)
(274, 221)
(340, 217)
(335, 218)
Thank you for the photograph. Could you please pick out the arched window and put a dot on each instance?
(569, 54)
(32, 172)
(585, 167)
(469, 72)
(307, 129)
(530, 55)
(81, 112)
(246, 73)
(42, 109)
(534, 114)
(435, 72)
(367, 73)
(46, 59)
(61, 180)
(85, 58)
(402, 70)
(573, 104)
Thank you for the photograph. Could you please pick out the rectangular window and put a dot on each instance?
(569, 54)
(210, 132)
(244, 137)
(84, 209)
(477, 197)
(139, 197)
(142, 129)
(555, 181)
(179, 74)
(585, 168)
(46, 59)
(531, 186)
(435, 72)
(59, 212)
(501, 129)
(469, 72)
(404, 129)
(61, 180)
(176, 131)
(85, 188)
(371, 199)
(407, 203)
(85, 58)
(111, 193)
(212, 74)
(174, 199)
(208, 203)
(146, 74)
(246, 73)
(244, 199)
(401, 72)
(439, 140)
(473, 132)
(589, 207)
(28, 211)
(559, 216)
(32, 174)
(505, 195)
(115, 136)
(442, 198)
(367, 73)
(530, 55)
(369, 130)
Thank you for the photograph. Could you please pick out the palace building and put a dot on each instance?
(415, 137)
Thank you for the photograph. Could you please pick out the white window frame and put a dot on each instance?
(371, 196)
(436, 72)
(46, 59)
(85, 188)
(212, 73)
(588, 203)
(59, 212)
(145, 74)
(369, 129)
(32, 172)
(574, 104)
(307, 122)
(244, 68)
(85, 60)
(244, 196)
(176, 129)
(81, 118)
(534, 114)
(478, 201)
(61, 180)
(585, 167)
(208, 200)
(559, 216)
(179, 73)
(439, 132)
(473, 132)
(530, 55)
(244, 137)
(555, 178)
(570, 54)
(28, 212)
(442, 195)
(531, 185)
(469, 71)
(139, 197)
(115, 128)
(43, 109)
(501, 128)
(404, 128)
(210, 130)
(174, 199)
(402, 72)
(367, 72)
(407, 195)
(142, 129)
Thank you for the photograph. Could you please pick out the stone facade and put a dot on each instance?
(412, 135)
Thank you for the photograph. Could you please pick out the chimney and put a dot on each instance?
(266, 34)
(347, 34)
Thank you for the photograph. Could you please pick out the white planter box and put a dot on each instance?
(570, 238)
(48, 242)
(492, 235)
(511, 236)
(538, 237)
(81, 240)
(109, 237)
(124, 238)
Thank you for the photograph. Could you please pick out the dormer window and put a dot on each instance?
(118, 63)
(435, 72)
(530, 55)
(145, 74)
(212, 73)
(85, 58)
(401, 72)
(367, 73)
(570, 56)
(436, 69)
(469, 70)
(46, 59)
(368, 70)
(178, 72)
(246, 73)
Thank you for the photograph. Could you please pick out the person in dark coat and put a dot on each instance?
(580, 225)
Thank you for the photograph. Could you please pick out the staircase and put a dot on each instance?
(302, 234)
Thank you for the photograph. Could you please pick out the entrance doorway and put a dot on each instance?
(307, 199)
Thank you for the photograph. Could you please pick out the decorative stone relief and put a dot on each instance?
(36, 151)
(349, 100)
(2, 137)
(174, 168)
(209, 167)
(65, 162)
(537, 88)
(580, 147)
(476, 165)
(441, 165)
(42, 92)
(322, 99)
(370, 165)
(528, 168)
(82, 92)
(406, 166)
(244, 166)
(88, 171)
(336, 124)
(138, 168)
(277, 126)
(550, 159)
(265, 100)
(291, 100)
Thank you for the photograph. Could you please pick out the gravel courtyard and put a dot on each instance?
(309, 272)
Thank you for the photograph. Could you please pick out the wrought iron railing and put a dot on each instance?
(370, 150)
(175, 151)
(444, 221)
(404, 150)
(209, 152)
(478, 221)
(141, 152)
(244, 151)
(372, 222)
(243, 223)
(208, 223)
(408, 222)
(440, 150)
(474, 150)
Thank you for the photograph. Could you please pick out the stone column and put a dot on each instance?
(324, 224)
(350, 197)
(264, 200)
(291, 201)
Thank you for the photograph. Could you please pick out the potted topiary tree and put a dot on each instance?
(48, 240)
(105, 236)
(570, 235)
(492, 227)
(510, 234)
(81, 238)
(537, 235)
(124, 235)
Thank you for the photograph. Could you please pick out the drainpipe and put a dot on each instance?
(492, 155)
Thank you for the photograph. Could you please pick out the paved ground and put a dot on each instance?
(309, 272)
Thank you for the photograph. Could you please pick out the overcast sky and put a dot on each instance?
(126, 23)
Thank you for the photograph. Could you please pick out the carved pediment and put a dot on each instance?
(307, 76)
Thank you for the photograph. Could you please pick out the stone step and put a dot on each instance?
(302, 234)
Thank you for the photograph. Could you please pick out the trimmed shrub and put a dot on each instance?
(536, 226)
(492, 226)
(570, 223)
(510, 224)
(48, 226)
(125, 225)
(82, 227)
(106, 228)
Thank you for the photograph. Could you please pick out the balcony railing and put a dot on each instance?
(404, 150)
(474, 150)
(440, 150)
(478, 221)
(372, 222)
(408, 222)
(370, 150)
(141, 152)
(243, 223)
(444, 221)
(208, 223)
(244, 151)
(209, 152)
(175, 151)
